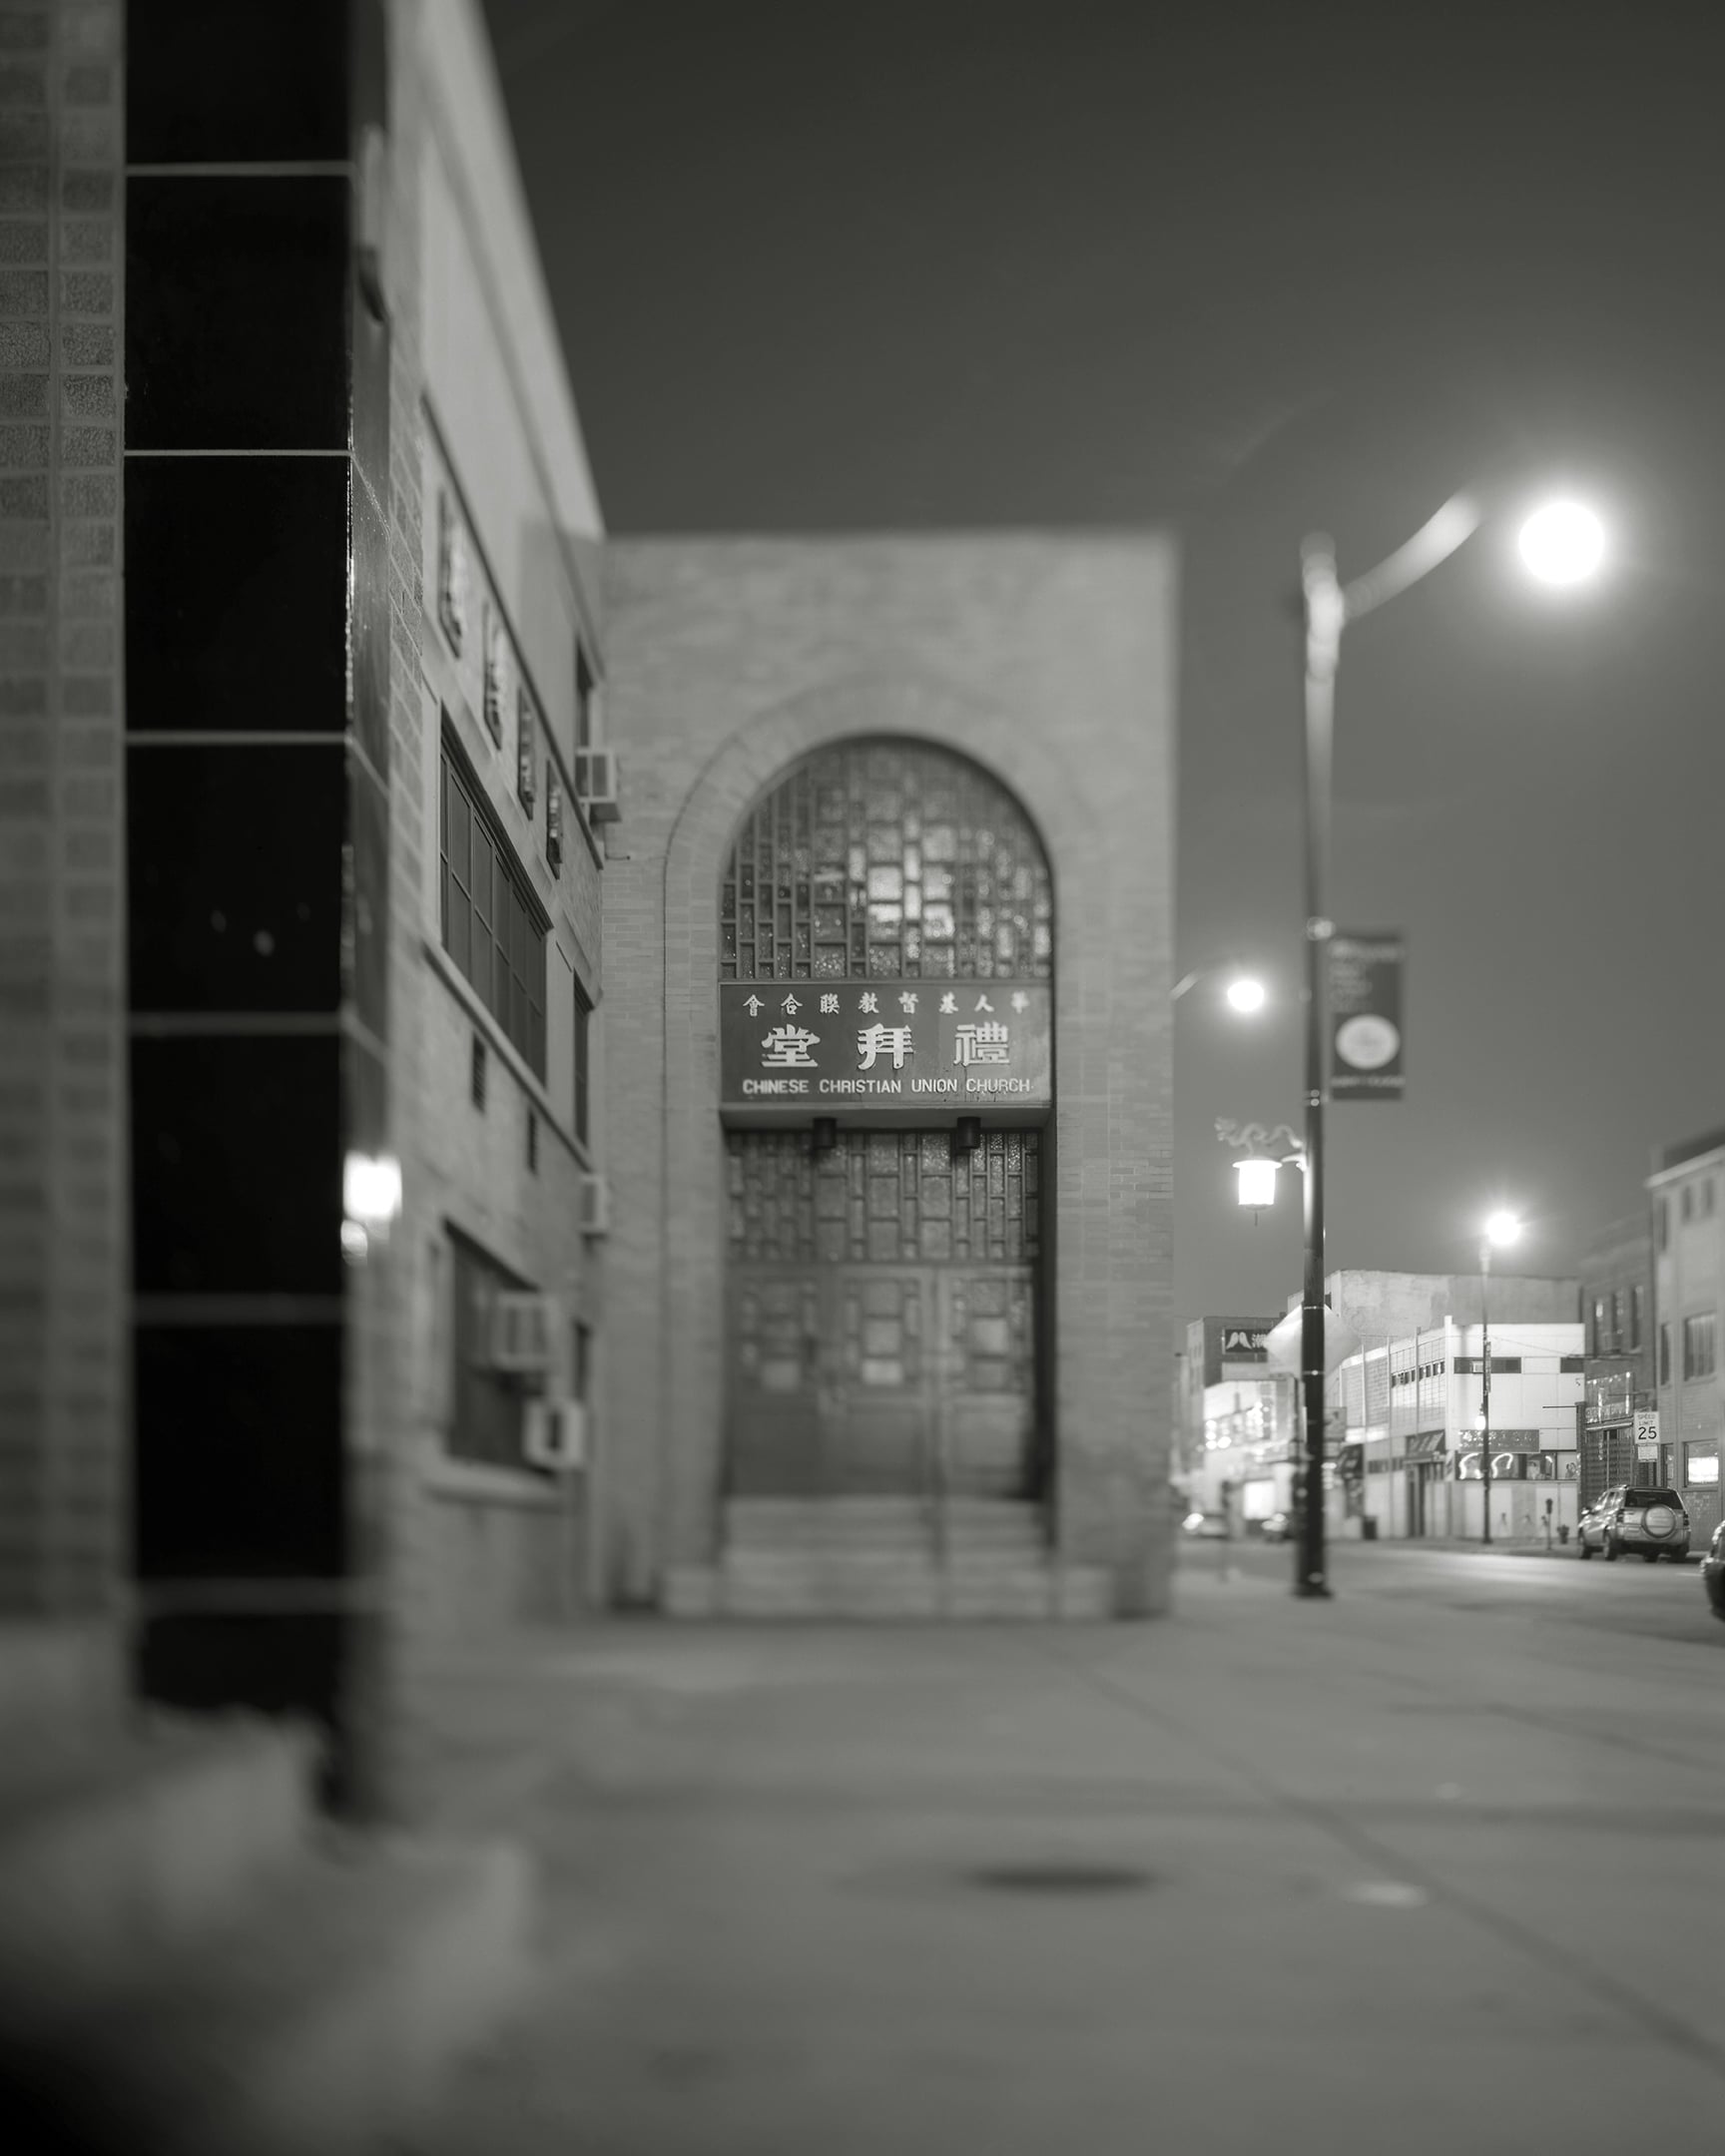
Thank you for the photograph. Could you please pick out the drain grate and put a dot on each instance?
(1074, 1879)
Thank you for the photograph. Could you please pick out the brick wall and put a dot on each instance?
(62, 1154)
(476, 1550)
(1052, 662)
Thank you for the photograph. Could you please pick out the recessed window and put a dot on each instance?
(486, 1421)
(491, 926)
(526, 751)
(1699, 1347)
(1707, 1197)
(583, 1067)
(532, 1142)
(476, 1073)
(451, 573)
(584, 687)
(1664, 1354)
(1601, 1335)
(1637, 1299)
(1687, 1203)
(1569, 1364)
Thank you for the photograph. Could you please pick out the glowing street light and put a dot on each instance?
(1502, 1228)
(1562, 542)
(1246, 994)
(1257, 1187)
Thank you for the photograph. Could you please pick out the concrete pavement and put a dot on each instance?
(1383, 1873)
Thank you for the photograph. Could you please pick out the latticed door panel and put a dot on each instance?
(884, 1197)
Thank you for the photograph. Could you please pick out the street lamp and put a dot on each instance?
(1500, 1230)
(1245, 992)
(1563, 543)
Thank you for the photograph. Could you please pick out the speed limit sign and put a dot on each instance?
(1647, 1436)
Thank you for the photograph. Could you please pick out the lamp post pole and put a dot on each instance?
(1323, 609)
(1486, 1384)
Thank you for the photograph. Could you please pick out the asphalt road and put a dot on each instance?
(1629, 1598)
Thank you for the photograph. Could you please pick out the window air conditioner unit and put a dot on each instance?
(596, 785)
(554, 1435)
(521, 1329)
(593, 1205)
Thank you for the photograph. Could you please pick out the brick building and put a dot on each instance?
(336, 1004)
(914, 791)
(1617, 1310)
(301, 943)
(1687, 1188)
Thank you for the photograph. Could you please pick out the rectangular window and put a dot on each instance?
(1570, 1364)
(583, 699)
(1467, 1366)
(583, 1073)
(1663, 1221)
(1699, 1358)
(1664, 1354)
(486, 1421)
(1687, 1205)
(1636, 1299)
(1600, 1337)
(1707, 1197)
(491, 926)
(1701, 1463)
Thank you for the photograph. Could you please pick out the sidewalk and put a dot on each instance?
(1347, 1877)
(1473, 1547)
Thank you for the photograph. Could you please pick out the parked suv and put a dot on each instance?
(1651, 1521)
(1713, 1571)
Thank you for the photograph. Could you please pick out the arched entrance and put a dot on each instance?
(885, 959)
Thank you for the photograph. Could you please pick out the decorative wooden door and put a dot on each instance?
(883, 1315)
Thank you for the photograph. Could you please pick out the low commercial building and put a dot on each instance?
(1407, 1433)
(1689, 1300)
(1240, 1421)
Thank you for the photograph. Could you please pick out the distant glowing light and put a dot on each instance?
(1502, 1228)
(1246, 994)
(1563, 543)
(1257, 1182)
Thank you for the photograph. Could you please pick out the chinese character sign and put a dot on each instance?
(898, 1046)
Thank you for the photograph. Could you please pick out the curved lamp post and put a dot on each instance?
(1500, 1230)
(1561, 543)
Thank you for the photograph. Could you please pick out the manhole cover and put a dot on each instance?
(1060, 1878)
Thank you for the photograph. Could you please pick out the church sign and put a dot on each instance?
(885, 1050)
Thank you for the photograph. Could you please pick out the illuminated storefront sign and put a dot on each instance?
(796, 1050)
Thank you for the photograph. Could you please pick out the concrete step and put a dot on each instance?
(59, 1679)
(116, 1850)
(323, 2022)
(1073, 1594)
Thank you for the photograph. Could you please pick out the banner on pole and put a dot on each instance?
(1365, 1015)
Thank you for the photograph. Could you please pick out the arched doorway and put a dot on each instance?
(885, 960)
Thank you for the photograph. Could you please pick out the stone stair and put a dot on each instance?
(885, 1558)
(196, 1962)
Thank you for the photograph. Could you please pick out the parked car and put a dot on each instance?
(1206, 1527)
(1279, 1528)
(1651, 1523)
(1713, 1571)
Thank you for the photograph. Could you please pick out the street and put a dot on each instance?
(1653, 1602)
(1438, 1861)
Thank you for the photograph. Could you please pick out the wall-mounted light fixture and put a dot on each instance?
(823, 1134)
(966, 1134)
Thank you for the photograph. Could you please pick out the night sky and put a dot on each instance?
(1243, 273)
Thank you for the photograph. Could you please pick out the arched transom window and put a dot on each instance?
(886, 860)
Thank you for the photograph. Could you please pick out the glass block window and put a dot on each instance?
(886, 860)
(884, 1197)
